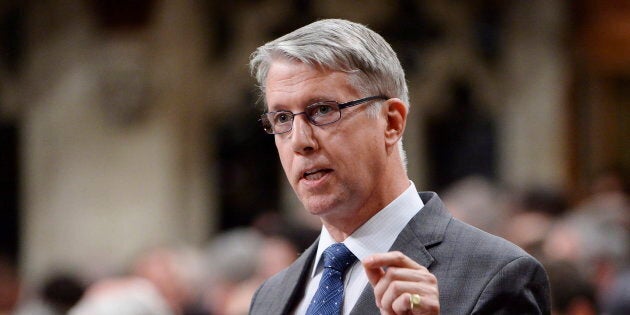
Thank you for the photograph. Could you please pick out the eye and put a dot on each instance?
(321, 109)
(282, 117)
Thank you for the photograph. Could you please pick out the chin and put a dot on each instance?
(319, 205)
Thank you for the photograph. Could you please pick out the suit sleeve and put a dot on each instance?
(520, 287)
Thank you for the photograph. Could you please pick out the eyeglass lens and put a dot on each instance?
(318, 114)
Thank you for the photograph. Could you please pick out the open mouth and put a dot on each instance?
(315, 174)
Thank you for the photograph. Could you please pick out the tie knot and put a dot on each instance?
(337, 256)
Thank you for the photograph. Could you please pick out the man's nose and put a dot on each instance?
(302, 137)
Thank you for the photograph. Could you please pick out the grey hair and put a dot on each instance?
(339, 45)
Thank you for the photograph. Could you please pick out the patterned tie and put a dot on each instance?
(329, 296)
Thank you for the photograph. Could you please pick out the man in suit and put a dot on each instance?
(337, 102)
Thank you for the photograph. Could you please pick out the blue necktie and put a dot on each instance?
(329, 296)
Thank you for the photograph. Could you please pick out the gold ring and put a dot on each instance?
(414, 301)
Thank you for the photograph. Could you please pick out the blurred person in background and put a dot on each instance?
(241, 259)
(337, 103)
(9, 286)
(122, 296)
(231, 259)
(594, 237)
(58, 294)
(598, 248)
(617, 302)
(532, 216)
(476, 201)
(608, 202)
(571, 292)
(275, 254)
(300, 234)
(162, 280)
(177, 274)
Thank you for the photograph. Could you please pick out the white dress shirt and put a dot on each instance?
(377, 235)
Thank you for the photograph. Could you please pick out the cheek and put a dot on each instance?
(356, 158)
(368, 158)
(285, 156)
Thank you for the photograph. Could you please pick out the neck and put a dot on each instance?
(340, 227)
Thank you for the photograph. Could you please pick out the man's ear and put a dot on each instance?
(396, 115)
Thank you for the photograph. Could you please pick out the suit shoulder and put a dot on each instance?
(278, 292)
(480, 271)
(479, 243)
(265, 297)
(272, 285)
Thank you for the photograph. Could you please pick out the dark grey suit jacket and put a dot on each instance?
(477, 273)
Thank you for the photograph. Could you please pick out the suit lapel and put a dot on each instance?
(423, 231)
(289, 295)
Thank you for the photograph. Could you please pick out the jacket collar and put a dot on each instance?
(295, 278)
(424, 231)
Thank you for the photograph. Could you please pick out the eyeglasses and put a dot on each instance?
(319, 114)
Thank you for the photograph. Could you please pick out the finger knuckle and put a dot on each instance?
(432, 279)
(397, 286)
(399, 256)
(392, 272)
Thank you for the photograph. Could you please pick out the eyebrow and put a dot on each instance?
(311, 101)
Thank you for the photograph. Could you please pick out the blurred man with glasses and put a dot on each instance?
(337, 104)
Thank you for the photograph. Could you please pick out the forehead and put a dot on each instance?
(292, 83)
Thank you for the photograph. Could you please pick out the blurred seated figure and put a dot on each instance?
(598, 247)
(230, 258)
(242, 258)
(177, 274)
(476, 201)
(608, 203)
(532, 217)
(59, 293)
(161, 280)
(9, 286)
(122, 296)
(571, 293)
(617, 301)
(594, 236)
(275, 254)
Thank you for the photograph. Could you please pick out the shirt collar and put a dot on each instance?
(378, 234)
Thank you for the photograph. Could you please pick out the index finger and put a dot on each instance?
(374, 274)
(390, 259)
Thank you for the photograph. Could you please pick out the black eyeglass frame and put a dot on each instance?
(341, 106)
